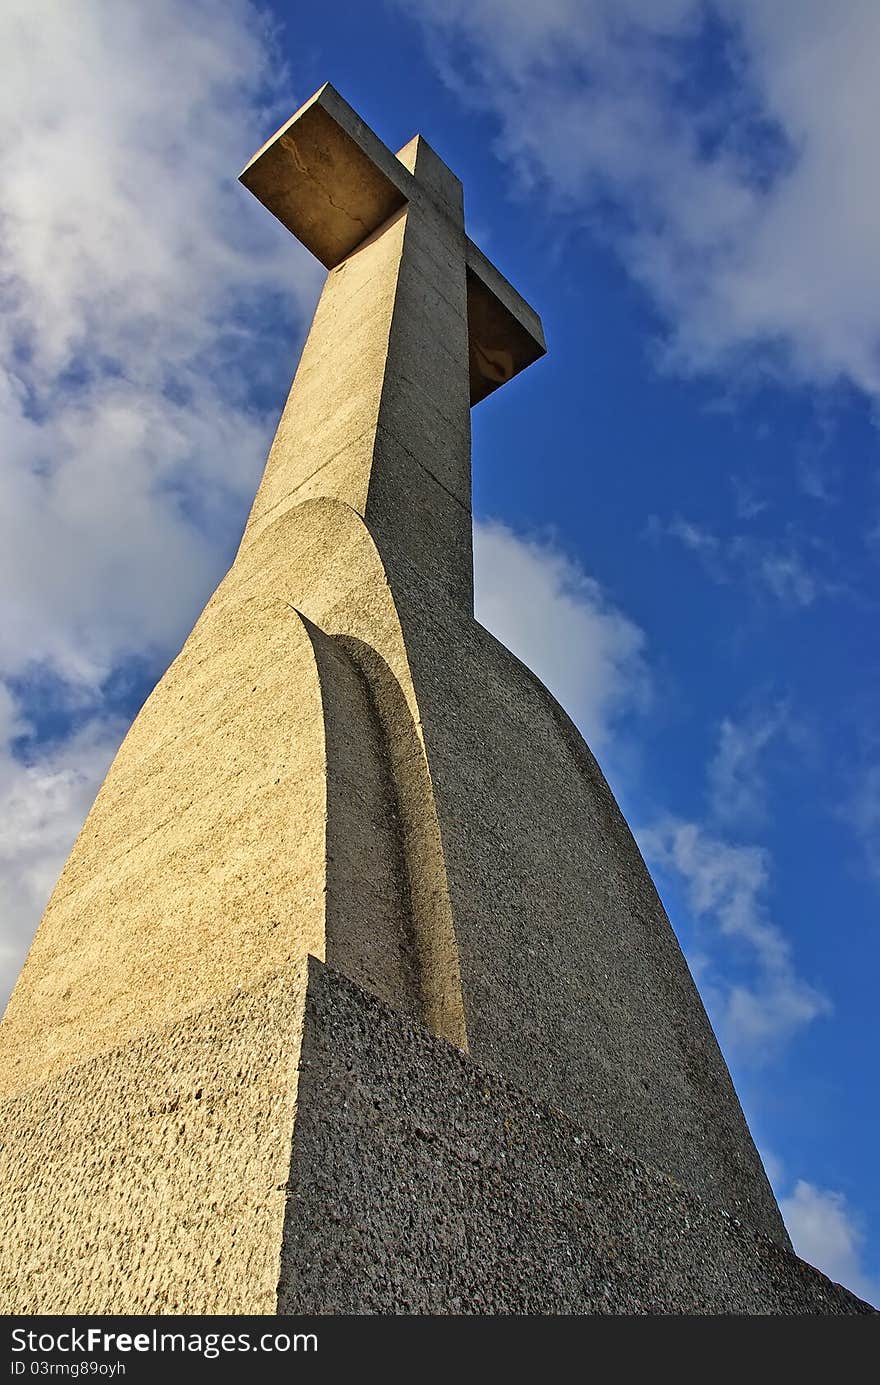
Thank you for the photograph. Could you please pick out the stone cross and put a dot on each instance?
(346, 824)
(427, 328)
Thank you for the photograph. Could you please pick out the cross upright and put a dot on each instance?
(414, 326)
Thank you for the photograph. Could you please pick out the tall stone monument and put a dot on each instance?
(355, 994)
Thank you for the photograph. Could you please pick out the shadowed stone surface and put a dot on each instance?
(423, 1184)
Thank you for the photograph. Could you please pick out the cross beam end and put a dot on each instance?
(327, 177)
(332, 183)
(505, 334)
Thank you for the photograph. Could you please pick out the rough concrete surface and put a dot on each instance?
(202, 863)
(300, 1147)
(152, 1179)
(423, 1184)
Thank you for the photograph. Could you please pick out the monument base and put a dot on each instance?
(302, 1129)
(152, 1178)
(422, 1184)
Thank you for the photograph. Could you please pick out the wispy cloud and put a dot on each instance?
(747, 205)
(45, 793)
(743, 960)
(748, 502)
(826, 1232)
(142, 295)
(788, 569)
(697, 538)
(737, 774)
(781, 570)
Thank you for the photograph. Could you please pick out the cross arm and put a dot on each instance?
(505, 334)
(327, 177)
(332, 183)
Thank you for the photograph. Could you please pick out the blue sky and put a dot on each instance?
(677, 511)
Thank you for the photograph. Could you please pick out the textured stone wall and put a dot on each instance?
(152, 1179)
(574, 983)
(530, 902)
(321, 552)
(202, 862)
(423, 1184)
(306, 1149)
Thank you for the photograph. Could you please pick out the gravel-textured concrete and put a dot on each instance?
(158, 1178)
(422, 1184)
(151, 1179)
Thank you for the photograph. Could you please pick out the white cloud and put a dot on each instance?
(43, 801)
(695, 537)
(553, 616)
(136, 282)
(143, 295)
(791, 569)
(737, 772)
(742, 195)
(782, 572)
(123, 228)
(826, 1233)
(743, 961)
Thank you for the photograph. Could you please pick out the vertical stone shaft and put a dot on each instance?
(379, 412)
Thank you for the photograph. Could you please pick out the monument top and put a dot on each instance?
(332, 182)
